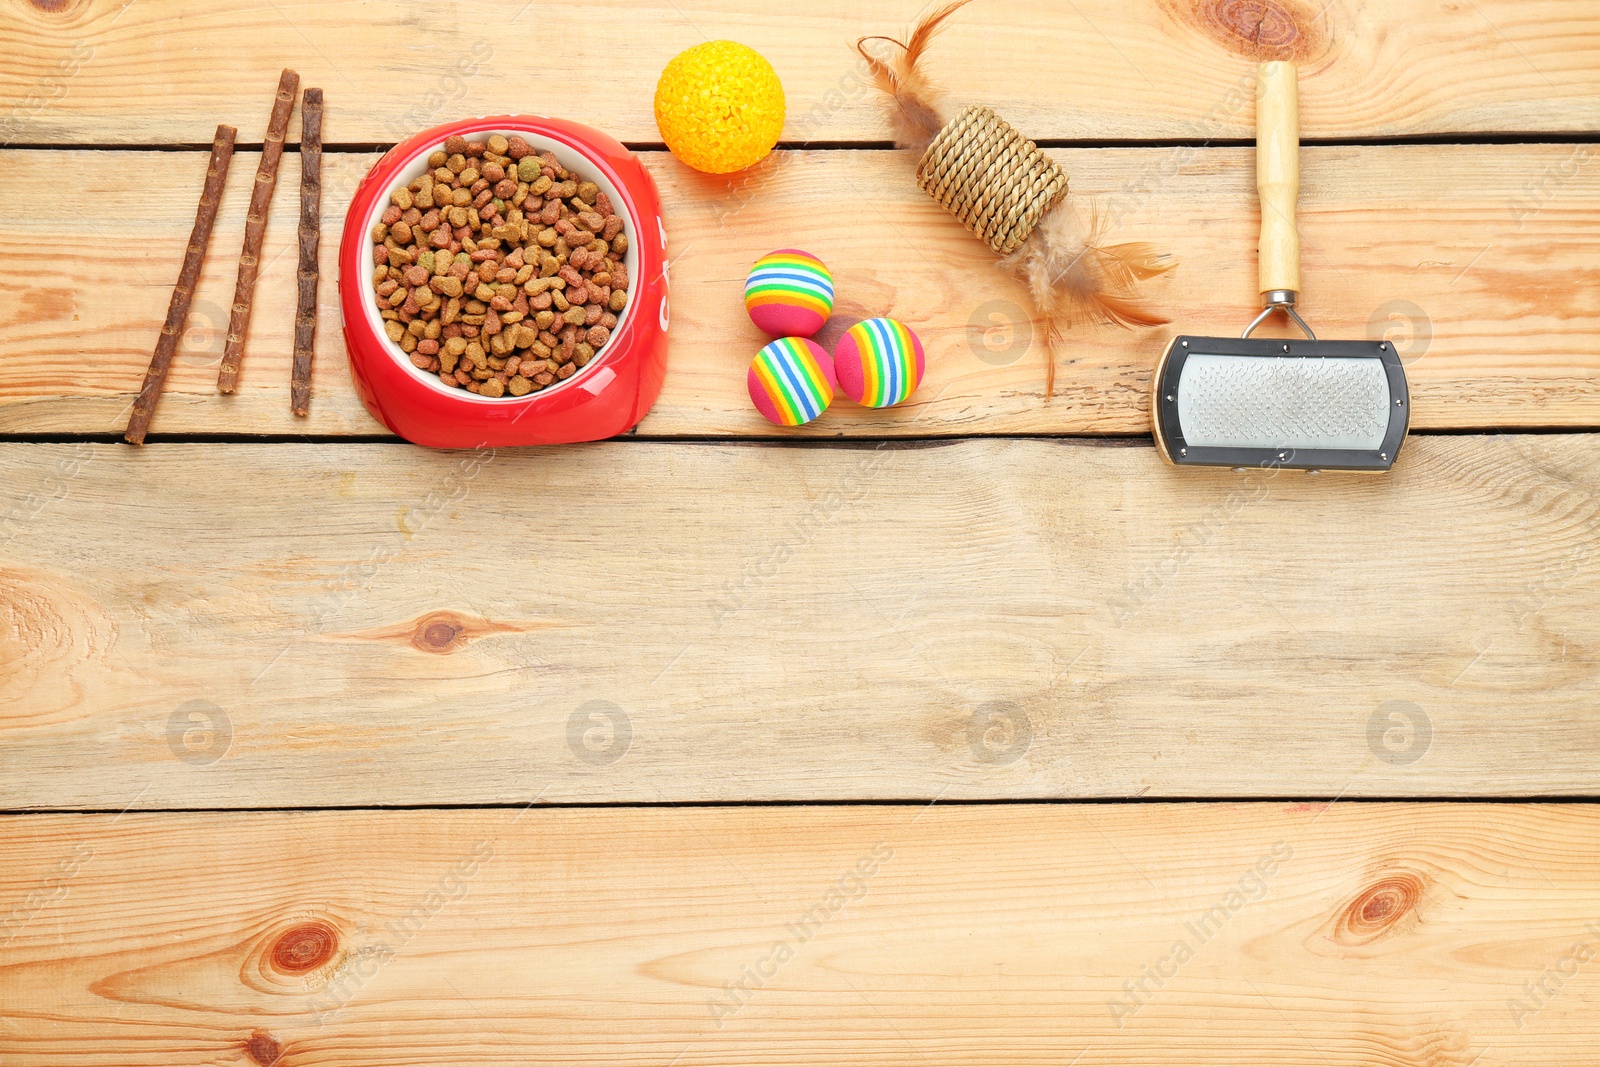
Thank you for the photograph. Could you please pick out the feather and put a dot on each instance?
(1073, 277)
(913, 103)
(1064, 256)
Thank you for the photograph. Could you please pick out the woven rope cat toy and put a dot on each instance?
(1007, 191)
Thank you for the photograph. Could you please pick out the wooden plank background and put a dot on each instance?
(916, 935)
(1493, 294)
(979, 619)
(109, 72)
(986, 633)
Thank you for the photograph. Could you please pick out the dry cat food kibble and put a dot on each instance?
(498, 269)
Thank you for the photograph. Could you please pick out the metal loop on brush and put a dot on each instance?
(1285, 303)
(996, 181)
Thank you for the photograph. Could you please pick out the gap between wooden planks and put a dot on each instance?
(1492, 293)
(105, 72)
(259, 626)
(917, 936)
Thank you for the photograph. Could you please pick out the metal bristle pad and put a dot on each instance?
(1274, 402)
(1241, 401)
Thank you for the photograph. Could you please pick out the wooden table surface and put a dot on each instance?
(959, 733)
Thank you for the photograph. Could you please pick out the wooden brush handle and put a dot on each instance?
(1278, 174)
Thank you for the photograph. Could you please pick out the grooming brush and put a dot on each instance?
(1252, 402)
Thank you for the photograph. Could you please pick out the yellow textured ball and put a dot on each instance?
(719, 106)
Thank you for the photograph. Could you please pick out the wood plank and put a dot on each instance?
(355, 624)
(105, 72)
(1484, 270)
(1352, 935)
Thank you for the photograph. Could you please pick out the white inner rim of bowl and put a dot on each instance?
(584, 171)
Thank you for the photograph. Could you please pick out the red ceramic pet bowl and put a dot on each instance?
(606, 397)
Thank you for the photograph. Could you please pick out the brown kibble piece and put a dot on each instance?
(479, 259)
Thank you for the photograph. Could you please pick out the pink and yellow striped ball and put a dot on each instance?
(791, 381)
(879, 362)
(789, 293)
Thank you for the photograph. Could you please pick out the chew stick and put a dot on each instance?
(205, 217)
(305, 317)
(255, 230)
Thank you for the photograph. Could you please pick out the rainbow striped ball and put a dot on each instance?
(879, 362)
(791, 381)
(789, 293)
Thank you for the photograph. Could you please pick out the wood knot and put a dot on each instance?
(303, 948)
(1380, 908)
(52, 7)
(1255, 29)
(442, 632)
(264, 1048)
